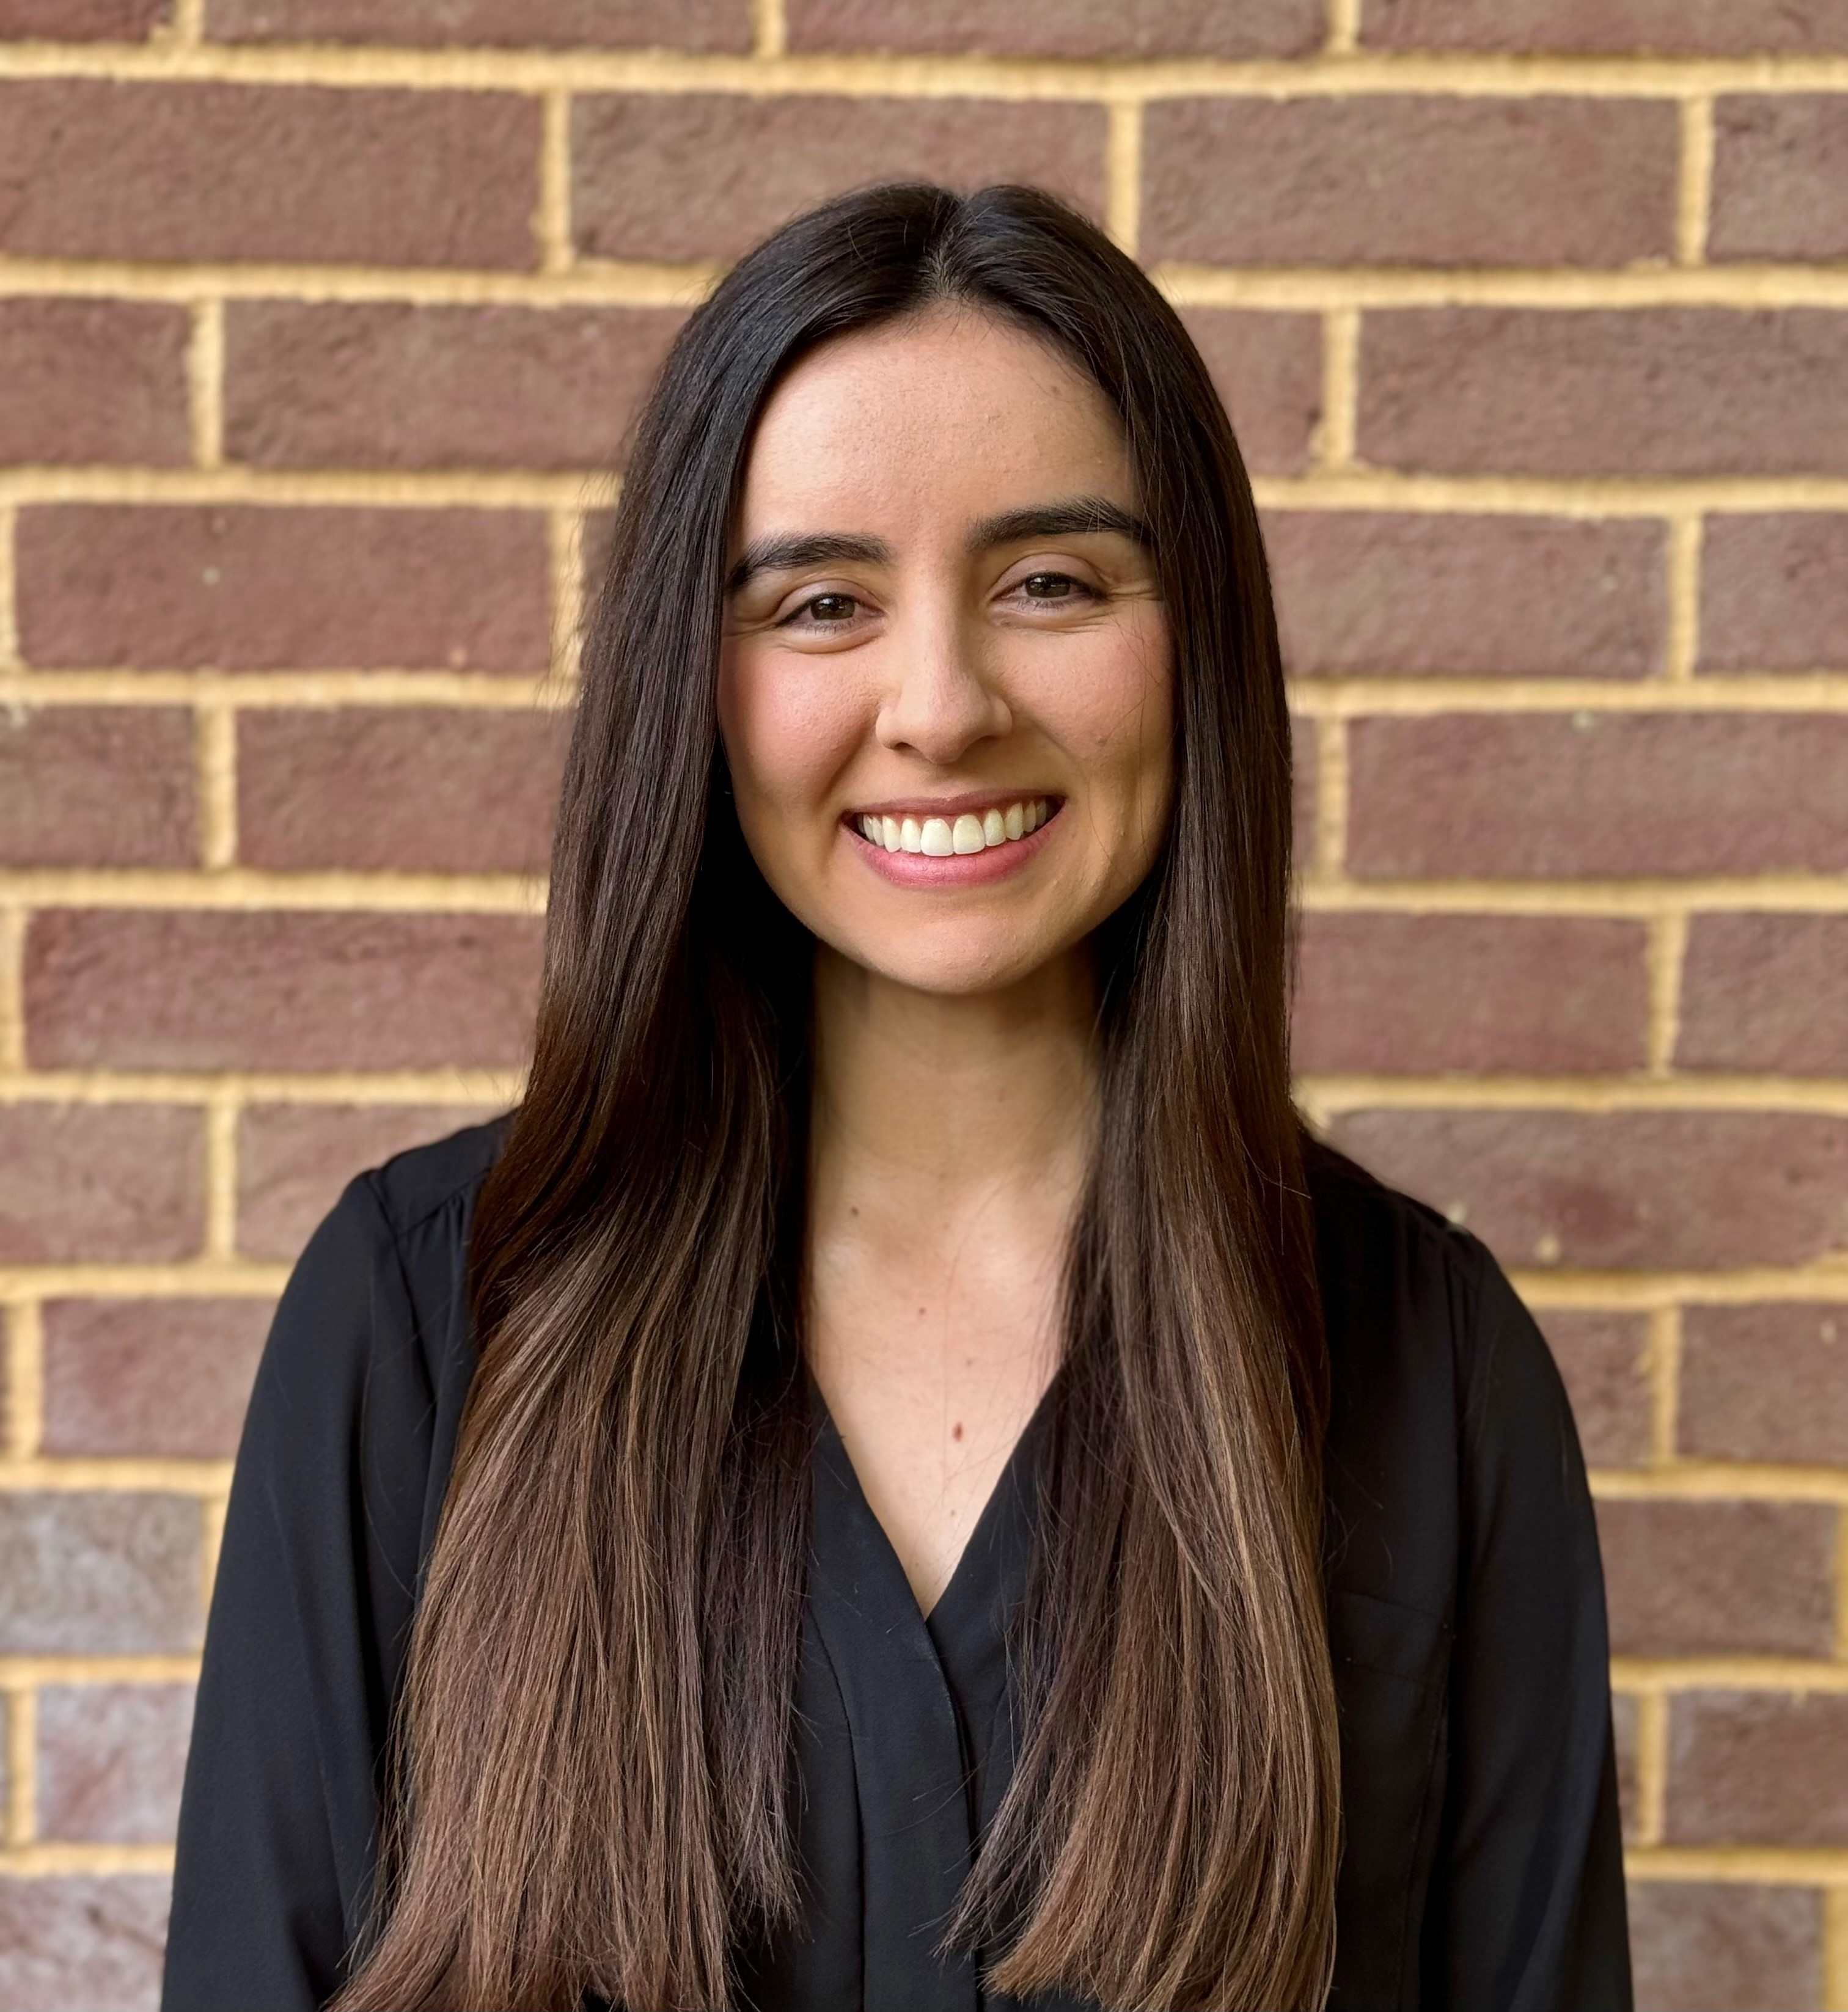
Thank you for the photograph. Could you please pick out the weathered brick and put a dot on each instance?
(1692, 1578)
(1774, 592)
(1765, 992)
(1666, 391)
(1546, 796)
(376, 384)
(173, 989)
(1779, 167)
(110, 1760)
(83, 786)
(457, 791)
(1757, 1768)
(99, 1575)
(1267, 369)
(258, 588)
(80, 1939)
(93, 380)
(682, 24)
(83, 20)
(686, 176)
(1447, 992)
(1524, 181)
(1696, 1947)
(1365, 591)
(154, 1377)
(1669, 1189)
(1618, 27)
(120, 1182)
(294, 1159)
(1060, 27)
(1603, 1359)
(1765, 1383)
(1623, 1727)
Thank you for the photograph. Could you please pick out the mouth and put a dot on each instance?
(966, 829)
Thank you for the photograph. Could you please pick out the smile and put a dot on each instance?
(969, 831)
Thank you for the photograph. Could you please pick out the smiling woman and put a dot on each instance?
(902, 1475)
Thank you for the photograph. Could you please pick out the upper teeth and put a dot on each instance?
(969, 832)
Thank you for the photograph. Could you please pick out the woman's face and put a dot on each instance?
(945, 686)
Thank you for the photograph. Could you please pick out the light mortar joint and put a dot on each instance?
(1694, 190)
(1663, 1352)
(1835, 1949)
(1686, 535)
(12, 989)
(1666, 957)
(565, 557)
(10, 627)
(1652, 1767)
(205, 382)
(22, 1765)
(215, 755)
(1122, 170)
(769, 30)
(222, 1115)
(1331, 444)
(551, 220)
(25, 1379)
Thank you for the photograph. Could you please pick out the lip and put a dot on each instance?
(953, 806)
(958, 869)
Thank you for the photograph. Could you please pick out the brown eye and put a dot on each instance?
(1052, 586)
(826, 608)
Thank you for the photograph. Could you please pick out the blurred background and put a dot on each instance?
(320, 322)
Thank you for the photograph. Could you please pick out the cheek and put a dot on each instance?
(1113, 713)
(789, 723)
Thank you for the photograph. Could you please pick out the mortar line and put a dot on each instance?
(564, 572)
(1681, 647)
(1652, 1767)
(212, 1537)
(1640, 1674)
(28, 1671)
(1835, 1949)
(1694, 183)
(1665, 1384)
(1841, 1584)
(386, 892)
(770, 31)
(1718, 1481)
(101, 1861)
(22, 1764)
(552, 221)
(12, 989)
(221, 1114)
(205, 382)
(188, 26)
(1331, 795)
(289, 691)
(1743, 1864)
(215, 758)
(82, 1474)
(1666, 958)
(461, 1088)
(1122, 173)
(25, 1380)
(9, 623)
(1342, 35)
(1331, 447)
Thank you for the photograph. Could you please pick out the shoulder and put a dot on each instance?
(411, 1187)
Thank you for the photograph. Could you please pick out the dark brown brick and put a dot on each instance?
(445, 791)
(1060, 27)
(1603, 1359)
(99, 1575)
(1779, 167)
(1774, 592)
(1694, 1579)
(152, 1378)
(82, 1939)
(93, 380)
(1623, 1727)
(256, 588)
(171, 989)
(227, 171)
(1766, 1383)
(681, 24)
(110, 1759)
(1668, 390)
(1557, 795)
(385, 385)
(1424, 993)
(1757, 1768)
(1617, 28)
(83, 20)
(122, 1183)
(82, 785)
(1696, 1947)
(1365, 591)
(294, 1159)
(1663, 1190)
(1268, 367)
(1524, 181)
(1765, 992)
(686, 176)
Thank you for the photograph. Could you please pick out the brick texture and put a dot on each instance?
(98, 1574)
(1767, 1382)
(93, 380)
(1697, 1947)
(1746, 1769)
(687, 24)
(1617, 27)
(161, 1378)
(1603, 1359)
(120, 1182)
(110, 1761)
(84, 20)
(1774, 593)
(1766, 992)
(96, 786)
(1779, 167)
(75, 1939)
(1268, 370)
(1063, 28)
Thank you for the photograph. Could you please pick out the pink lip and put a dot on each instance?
(960, 869)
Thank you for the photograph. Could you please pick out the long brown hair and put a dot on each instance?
(593, 1746)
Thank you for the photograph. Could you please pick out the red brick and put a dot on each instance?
(1623, 1727)
(294, 1159)
(1603, 1359)
(1780, 166)
(93, 380)
(259, 588)
(1774, 592)
(122, 1183)
(1766, 1383)
(1361, 592)
(684, 24)
(1657, 1189)
(1765, 992)
(1699, 1948)
(85, 787)
(1618, 27)
(1060, 27)
(1757, 1769)
(114, 1574)
(1425, 993)
(1417, 180)
(1669, 390)
(367, 787)
(686, 176)
(81, 1939)
(1303, 789)
(1694, 1579)
(1268, 368)
(83, 20)
(153, 1377)
(225, 171)
(1556, 795)
(110, 1760)
(385, 385)
(170, 989)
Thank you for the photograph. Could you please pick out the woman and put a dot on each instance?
(900, 1476)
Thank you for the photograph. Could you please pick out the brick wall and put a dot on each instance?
(319, 321)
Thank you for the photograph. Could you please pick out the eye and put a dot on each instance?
(826, 610)
(1054, 586)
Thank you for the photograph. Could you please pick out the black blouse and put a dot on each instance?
(1481, 1865)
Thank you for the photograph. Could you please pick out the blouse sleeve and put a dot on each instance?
(1527, 1911)
(275, 1846)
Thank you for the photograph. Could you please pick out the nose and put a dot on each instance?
(943, 698)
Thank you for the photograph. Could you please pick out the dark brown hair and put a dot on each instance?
(593, 1745)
